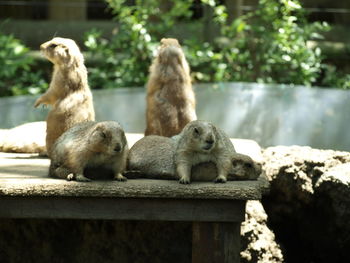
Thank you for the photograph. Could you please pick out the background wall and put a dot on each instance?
(269, 114)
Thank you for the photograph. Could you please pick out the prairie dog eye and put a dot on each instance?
(103, 135)
(196, 131)
(53, 46)
(248, 165)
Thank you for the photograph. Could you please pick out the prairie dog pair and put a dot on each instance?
(87, 146)
(202, 150)
(201, 142)
(69, 93)
(170, 98)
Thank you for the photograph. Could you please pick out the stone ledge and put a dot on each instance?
(26, 175)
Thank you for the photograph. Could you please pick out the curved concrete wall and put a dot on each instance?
(269, 114)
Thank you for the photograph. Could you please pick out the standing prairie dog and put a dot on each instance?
(201, 142)
(93, 145)
(170, 98)
(69, 93)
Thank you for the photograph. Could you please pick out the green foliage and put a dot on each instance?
(269, 45)
(128, 54)
(266, 45)
(333, 78)
(118, 68)
(16, 76)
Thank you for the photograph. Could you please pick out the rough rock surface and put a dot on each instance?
(258, 241)
(25, 138)
(309, 202)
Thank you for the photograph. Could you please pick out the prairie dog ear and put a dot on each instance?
(70, 55)
(235, 162)
(73, 53)
(98, 129)
(214, 128)
(98, 136)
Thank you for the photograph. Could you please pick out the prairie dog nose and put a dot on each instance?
(209, 141)
(117, 148)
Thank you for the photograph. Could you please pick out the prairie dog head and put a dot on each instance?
(170, 51)
(243, 167)
(200, 136)
(107, 138)
(62, 51)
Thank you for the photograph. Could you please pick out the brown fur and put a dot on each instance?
(242, 168)
(153, 157)
(170, 98)
(69, 93)
(89, 145)
(201, 142)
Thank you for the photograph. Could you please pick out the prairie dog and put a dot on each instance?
(152, 157)
(201, 142)
(170, 98)
(69, 93)
(242, 168)
(89, 145)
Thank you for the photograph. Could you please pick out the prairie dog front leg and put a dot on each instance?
(184, 172)
(222, 169)
(77, 174)
(120, 177)
(77, 177)
(49, 98)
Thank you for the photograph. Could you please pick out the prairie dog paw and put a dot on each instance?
(70, 177)
(82, 178)
(37, 102)
(220, 179)
(184, 180)
(120, 178)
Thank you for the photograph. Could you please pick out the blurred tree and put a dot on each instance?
(16, 75)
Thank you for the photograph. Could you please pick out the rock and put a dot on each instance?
(258, 241)
(309, 202)
(132, 138)
(25, 138)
